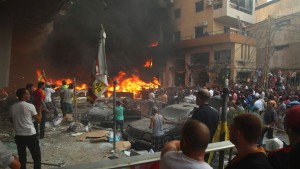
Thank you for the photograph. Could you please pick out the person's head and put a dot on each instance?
(292, 124)
(23, 94)
(30, 87)
(271, 104)
(195, 137)
(48, 84)
(202, 97)
(118, 103)
(41, 85)
(245, 130)
(256, 110)
(154, 110)
(71, 86)
(64, 82)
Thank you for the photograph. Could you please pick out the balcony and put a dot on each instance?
(233, 36)
(230, 11)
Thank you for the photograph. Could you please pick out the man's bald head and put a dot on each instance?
(202, 97)
(195, 137)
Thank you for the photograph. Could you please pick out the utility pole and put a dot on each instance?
(267, 52)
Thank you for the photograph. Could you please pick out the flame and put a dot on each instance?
(148, 63)
(153, 44)
(58, 83)
(131, 84)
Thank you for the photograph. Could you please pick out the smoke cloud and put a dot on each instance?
(130, 25)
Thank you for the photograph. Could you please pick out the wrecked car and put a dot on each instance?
(140, 136)
(102, 116)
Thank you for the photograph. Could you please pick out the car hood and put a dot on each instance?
(144, 124)
(100, 111)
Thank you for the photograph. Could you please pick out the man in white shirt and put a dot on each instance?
(48, 99)
(194, 141)
(259, 104)
(22, 115)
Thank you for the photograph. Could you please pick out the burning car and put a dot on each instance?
(140, 136)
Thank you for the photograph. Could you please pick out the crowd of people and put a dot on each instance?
(29, 115)
(252, 112)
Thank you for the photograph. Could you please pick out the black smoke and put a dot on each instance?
(131, 26)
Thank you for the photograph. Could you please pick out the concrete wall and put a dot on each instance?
(285, 42)
(280, 8)
(190, 18)
(5, 46)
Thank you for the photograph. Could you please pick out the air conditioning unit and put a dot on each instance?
(210, 2)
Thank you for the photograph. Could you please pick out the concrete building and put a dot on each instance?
(284, 36)
(210, 43)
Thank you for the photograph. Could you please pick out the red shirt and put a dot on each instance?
(38, 98)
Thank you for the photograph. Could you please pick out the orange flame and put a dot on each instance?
(131, 84)
(153, 44)
(148, 63)
(58, 83)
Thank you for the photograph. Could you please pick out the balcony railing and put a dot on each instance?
(231, 30)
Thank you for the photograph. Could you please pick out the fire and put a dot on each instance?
(58, 83)
(153, 44)
(148, 63)
(131, 84)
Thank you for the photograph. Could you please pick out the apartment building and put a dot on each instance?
(210, 42)
(284, 36)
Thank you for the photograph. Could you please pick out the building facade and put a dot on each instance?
(210, 42)
(283, 32)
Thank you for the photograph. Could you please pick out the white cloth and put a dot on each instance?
(151, 96)
(48, 91)
(211, 93)
(259, 105)
(178, 160)
(189, 99)
(21, 114)
(5, 156)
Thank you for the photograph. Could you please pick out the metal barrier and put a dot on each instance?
(147, 161)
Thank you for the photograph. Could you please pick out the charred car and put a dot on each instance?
(102, 116)
(140, 136)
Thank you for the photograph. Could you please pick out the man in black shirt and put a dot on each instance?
(205, 113)
(244, 133)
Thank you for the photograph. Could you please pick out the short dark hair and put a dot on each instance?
(20, 93)
(196, 135)
(118, 103)
(63, 82)
(249, 125)
(71, 86)
(40, 84)
(29, 85)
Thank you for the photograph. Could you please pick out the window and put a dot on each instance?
(177, 36)
(222, 57)
(226, 29)
(249, 52)
(282, 47)
(198, 31)
(242, 51)
(177, 13)
(199, 5)
(218, 4)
